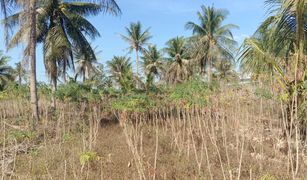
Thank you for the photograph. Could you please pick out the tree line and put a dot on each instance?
(276, 51)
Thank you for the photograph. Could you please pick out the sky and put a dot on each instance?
(166, 19)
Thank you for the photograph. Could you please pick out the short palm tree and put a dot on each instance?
(86, 66)
(137, 39)
(179, 68)
(225, 72)
(62, 27)
(100, 78)
(6, 74)
(290, 23)
(20, 72)
(152, 64)
(213, 39)
(120, 69)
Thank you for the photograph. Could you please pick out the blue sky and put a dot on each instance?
(166, 18)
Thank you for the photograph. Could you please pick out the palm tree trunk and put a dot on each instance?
(54, 89)
(301, 62)
(32, 56)
(84, 77)
(19, 80)
(203, 67)
(64, 73)
(137, 61)
(300, 39)
(65, 78)
(209, 70)
(209, 59)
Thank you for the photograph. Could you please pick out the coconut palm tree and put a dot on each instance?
(86, 66)
(5, 70)
(62, 27)
(179, 68)
(120, 69)
(290, 22)
(28, 20)
(225, 72)
(20, 72)
(137, 39)
(275, 42)
(256, 55)
(280, 43)
(213, 39)
(152, 64)
(100, 78)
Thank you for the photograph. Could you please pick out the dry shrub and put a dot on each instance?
(236, 136)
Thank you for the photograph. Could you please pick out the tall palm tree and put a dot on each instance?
(179, 68)
(62, 28)
(120, 69)
(291, 20)
(32, 57)
(29, 20)
(213, 39)
(5, 70)
(137, 39)
(280, 43)
(152, 64)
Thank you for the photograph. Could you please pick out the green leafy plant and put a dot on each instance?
(67, 136)
(3, 95)
(268, 177)
(75, 92)
(20, 136)
(87, 157)
(34, 152)
(264, 93)
(190, 93)
(13, 90)
(133, 102)
(44, 90)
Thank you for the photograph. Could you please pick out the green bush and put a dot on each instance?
(268, 177)
(3, 95)
(133, 102)
(44, 90)
(13, 90)
(195, 92)
(264, 93)
(75, 92)
(87, 157)
(20, 136)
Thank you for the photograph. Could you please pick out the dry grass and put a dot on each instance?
(237, 136)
